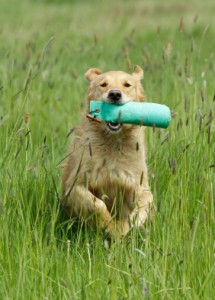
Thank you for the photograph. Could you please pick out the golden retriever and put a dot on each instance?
(105, 179)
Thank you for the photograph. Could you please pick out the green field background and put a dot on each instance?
(45, 49)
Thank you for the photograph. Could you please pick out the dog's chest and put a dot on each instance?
(114, 163)
(114, 170)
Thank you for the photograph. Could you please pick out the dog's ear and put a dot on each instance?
(138, 72)
(92, 73)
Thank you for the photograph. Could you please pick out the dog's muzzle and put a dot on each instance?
(114, 96)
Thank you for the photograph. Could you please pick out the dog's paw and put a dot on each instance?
(117, 230)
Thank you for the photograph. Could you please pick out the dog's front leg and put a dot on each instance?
(143, 207)
(82, 203)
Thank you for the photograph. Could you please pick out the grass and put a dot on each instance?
(45, 48)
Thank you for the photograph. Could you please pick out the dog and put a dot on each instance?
(105, 179)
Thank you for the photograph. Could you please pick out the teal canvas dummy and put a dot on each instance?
(137, 113)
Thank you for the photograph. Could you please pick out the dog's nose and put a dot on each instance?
(114, 95)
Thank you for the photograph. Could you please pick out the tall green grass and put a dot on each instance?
(45, 49)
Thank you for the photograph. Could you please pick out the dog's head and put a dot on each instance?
(115, 87)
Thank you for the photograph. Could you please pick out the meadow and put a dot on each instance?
(45, 49)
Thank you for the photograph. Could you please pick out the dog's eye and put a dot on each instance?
(126, 84)
(104, 84)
